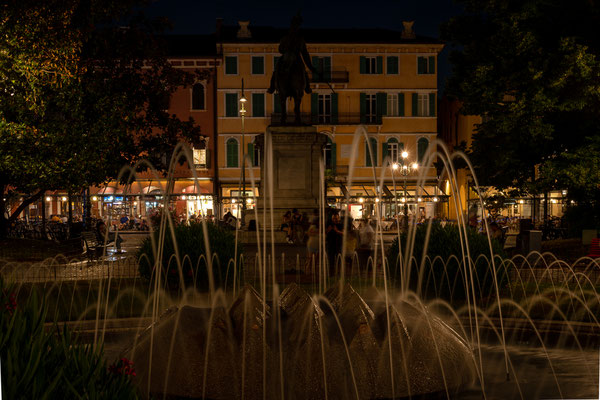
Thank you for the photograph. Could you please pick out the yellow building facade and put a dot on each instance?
(384, 81)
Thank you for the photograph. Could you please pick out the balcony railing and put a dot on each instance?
(333, 76)
(339, 119)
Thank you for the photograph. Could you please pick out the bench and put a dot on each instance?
(93, 248)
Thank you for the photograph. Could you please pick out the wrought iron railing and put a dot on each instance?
(339, 119)
(332, 76)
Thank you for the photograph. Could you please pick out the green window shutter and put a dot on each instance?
(384, 152)
(326, 68)
(370, 162)
(381, 102)
(316, 65)
(231, 105)
(232, 153)
(401, 104)
(421, 65)
(363, 65)
(415, 104)
(275, 61)
(422, 145)
(363, 108)
(314, 107)
(207, 158)
(231, 65)
(258, 65)
(333, 156)
(431, 65)
(374, 148)
(276, 104)
(432, 104)
(334, 108)
(380, 64)
(392, 65)
(258, 104)
(251, 153)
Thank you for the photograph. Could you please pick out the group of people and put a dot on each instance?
(292, 224)
(299, 227)
(126, 223)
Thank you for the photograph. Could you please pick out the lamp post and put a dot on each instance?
(243, 114)
(405, 171)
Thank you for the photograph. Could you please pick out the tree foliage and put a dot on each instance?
(531, 68)
(84, 89)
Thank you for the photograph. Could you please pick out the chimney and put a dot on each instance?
(244, 33)
(219, 28)
(407, 32)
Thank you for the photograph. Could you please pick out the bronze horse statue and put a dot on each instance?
(289, 77)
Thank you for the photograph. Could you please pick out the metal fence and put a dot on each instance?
(57, 270)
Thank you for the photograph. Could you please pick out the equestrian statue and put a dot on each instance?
(290, 78)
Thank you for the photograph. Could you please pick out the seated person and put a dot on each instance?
(495, 231)
(107, 238)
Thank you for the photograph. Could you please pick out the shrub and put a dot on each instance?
(39, 363)
(444, 241)
(190, 243)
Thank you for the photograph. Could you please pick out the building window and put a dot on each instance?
(258, 65)
(323, 67)
(231, 105)
(329, 154)
(423, 105)
(392, 65)
(258, 104)
(425, 65)
(232, 153)
(200, 158)
(371, 65)
(392, 105)
(324, 108)
(198, 97)
(231, 65)
(422, 145)
(393, 150)
(371, 108)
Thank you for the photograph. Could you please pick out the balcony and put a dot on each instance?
(332, 76)
(339, 119)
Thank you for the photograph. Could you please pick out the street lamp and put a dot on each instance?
(405, 171)
(243, 114)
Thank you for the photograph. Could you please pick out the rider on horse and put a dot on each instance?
(291, 47)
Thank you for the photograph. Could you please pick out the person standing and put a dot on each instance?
(334, 239)
(312, 244)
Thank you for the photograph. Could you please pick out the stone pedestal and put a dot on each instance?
(296, 152)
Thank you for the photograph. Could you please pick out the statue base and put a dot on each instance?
(292, 170)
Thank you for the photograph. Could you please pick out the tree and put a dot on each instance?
(531, 68)
(82, 95)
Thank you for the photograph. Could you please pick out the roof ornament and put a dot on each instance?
(407, 32)
(244, 32)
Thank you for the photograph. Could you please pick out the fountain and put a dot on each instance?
(373, 338)
(334, 346)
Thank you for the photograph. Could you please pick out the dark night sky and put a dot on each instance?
(198, 16)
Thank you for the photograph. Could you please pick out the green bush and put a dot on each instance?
(444, 243)
(38, 363)
(190, 243)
